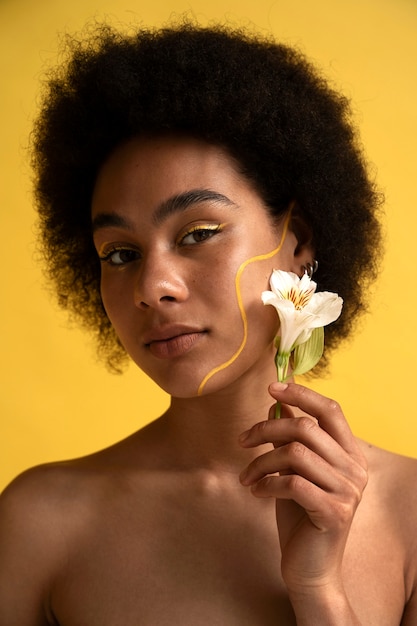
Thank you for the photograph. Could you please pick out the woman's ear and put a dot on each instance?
(304, 250)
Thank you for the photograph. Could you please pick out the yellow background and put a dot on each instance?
(56, 401)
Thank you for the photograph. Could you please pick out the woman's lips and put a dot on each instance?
(174, 346)
(172, 340)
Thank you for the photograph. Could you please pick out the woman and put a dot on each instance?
(176, 170)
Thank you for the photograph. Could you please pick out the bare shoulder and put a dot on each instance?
(45, 514)
(392, 487)
(35, 522)
(43, 506)
(68, 489)
(393, 476)
(39, 490)
(64, 495)
(391, 497)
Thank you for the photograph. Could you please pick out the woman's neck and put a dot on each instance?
(204, 430)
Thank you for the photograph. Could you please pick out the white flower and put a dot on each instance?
(299, 308)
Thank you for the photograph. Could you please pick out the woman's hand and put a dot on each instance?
(317, 473)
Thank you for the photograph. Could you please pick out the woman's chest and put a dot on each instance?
(202, 565)
(195, 567)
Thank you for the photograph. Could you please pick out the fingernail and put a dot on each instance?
(243, 477)
(244, 436)
(279, 386)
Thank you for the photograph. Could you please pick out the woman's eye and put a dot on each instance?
(200, 233)
(120, 256)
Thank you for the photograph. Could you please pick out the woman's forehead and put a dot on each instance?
(164, 171)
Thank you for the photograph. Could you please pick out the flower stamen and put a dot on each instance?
(300, 299)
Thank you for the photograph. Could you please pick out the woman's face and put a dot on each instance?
(173, 221)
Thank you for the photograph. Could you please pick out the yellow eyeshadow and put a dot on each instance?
(197, 227)
(102, 250)
(205, 227)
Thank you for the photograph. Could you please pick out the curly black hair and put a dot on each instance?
(289, 130)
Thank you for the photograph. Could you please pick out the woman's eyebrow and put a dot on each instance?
(107, 220)
(177, 203)
(185, 200)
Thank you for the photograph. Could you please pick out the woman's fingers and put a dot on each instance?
(325, 410)
(294, 458)
(266, 474)
(311, 437)
(321, 450)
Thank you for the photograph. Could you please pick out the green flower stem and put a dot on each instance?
(282, 362)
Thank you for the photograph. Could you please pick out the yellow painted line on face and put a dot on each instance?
(242, 267)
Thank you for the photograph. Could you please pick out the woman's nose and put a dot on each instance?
(160, 281)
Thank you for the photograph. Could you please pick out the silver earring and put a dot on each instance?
(311, 268)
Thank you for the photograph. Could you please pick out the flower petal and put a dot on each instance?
(326, 305)
(282, 282)
(293, 324)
